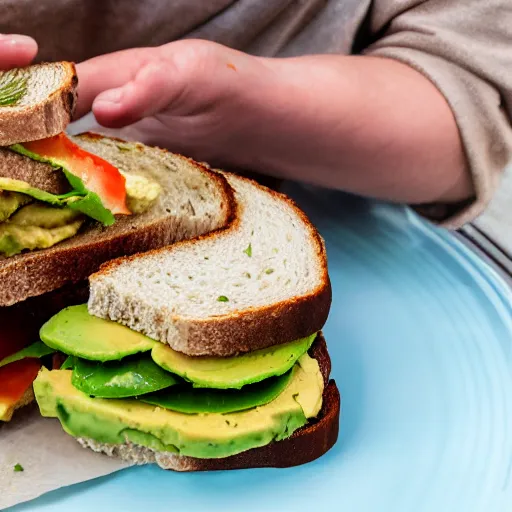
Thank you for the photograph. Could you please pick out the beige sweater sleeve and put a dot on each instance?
(465, 48)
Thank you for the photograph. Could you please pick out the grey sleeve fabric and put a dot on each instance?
(465, 48)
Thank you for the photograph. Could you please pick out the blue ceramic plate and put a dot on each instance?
(421, 340)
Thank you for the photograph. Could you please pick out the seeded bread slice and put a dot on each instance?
(261, 282)
(194, 201)
(46, 107)
(305, 445)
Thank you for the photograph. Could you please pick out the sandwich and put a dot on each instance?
(206, 354)
(69, 204)
(203, 353)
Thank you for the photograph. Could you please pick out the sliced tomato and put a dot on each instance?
(15, 379)
(98, 175)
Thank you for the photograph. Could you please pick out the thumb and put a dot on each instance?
(151, 90)
(16, 50)
(106, 72)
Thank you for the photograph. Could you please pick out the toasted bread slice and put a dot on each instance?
(194, 201)
(261, 282)
(305, 445)
(46, 107)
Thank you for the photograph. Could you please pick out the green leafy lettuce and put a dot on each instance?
(36, 351)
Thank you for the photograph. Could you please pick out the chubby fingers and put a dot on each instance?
(16, 50)
(107, 72)
(180, 78)
(149, 92)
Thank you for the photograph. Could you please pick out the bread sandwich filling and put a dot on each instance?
(31, 218)
(118, 386)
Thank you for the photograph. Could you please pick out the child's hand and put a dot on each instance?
(16, 50)
(194, 91)
(367, 125)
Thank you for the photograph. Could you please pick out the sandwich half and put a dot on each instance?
(69, 204)
(201, 347)
(206, 354)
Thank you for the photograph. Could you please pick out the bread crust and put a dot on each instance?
(304, 445)
(45, 119)
(35, 273)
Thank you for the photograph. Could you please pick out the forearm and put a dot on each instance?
(366, 125)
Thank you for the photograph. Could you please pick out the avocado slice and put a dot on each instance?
(14, 239)
(232, 372)
(120, 379)
(77, 333)
(188, 400)
(44, 216)
(10, 202)
(38, 226)
(195, 435)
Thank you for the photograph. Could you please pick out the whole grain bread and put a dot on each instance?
(304, 445)
(37, 174)
(45, 109)
(260, 282)
(194, 201)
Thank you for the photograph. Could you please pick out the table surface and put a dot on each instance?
(420, 335)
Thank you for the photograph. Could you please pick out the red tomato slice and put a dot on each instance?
(16, 378)
(98, 175)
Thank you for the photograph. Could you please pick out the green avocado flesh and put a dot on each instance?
(74, 332)
(29, 225)
(120, 379)
(10, 202)
(232, 372)
(210, 435)
(38, 226)
(43, 216)
(193, 401)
